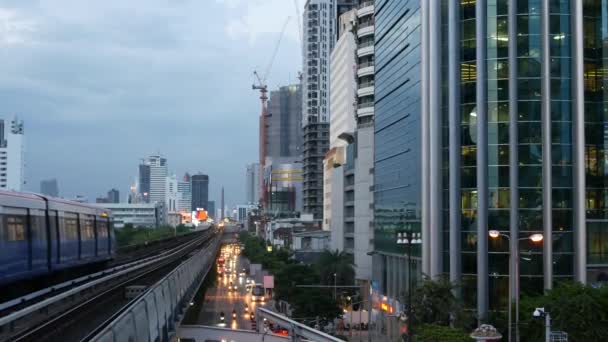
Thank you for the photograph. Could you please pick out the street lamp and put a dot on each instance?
(514, 274)
(409, 238)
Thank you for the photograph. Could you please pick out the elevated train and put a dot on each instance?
(40, 235)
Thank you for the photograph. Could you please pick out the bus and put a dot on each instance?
(258, 293)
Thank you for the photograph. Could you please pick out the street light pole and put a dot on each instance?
(409, 238)
(514, 277)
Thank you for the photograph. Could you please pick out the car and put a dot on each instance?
(232, 287)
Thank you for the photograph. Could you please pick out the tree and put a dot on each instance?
(579, 310)
(338, 263)
(433, 302)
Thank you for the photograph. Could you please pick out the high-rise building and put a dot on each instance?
(319, 22)
(484, 123)
(158, 178)
(171, 194)
(342, 94)
(200, 191)
(283, 187)
(113, 196)
(284, 128)
(49, 187)
(252, 183)
(144, 181)
(12, 155)
(211, 211)
(184, 194)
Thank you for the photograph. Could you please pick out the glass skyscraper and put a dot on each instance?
(491, 115)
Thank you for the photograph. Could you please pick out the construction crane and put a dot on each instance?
(263, 88)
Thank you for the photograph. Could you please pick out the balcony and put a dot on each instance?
(365, 69)
(365, 29)
(365, 8)
(366, 89)
(365, 109)
(365, 49)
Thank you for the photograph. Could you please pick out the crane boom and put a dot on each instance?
(295, 2)
(276, 49)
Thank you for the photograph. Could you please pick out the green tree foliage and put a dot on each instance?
(130, 235)
(438, 333)
(433, 302)
(307, 302)
(579, 310)
(339, 263)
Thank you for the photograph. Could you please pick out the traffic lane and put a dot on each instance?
(220, 299)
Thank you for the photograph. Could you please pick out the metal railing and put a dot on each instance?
(366, 84)
(365, 105)
(366, 4)
(365, 44)
(156, 313)
(365, 64)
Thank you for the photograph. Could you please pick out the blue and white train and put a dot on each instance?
(40, 235)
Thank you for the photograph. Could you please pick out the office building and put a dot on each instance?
(319, 23)
(12, 155)
(184, 194)
(342, 94)
(242, 212)
(363, 156)
(49, 187)
(283, 123)
(211, 211)
(200, 191)
(490, 127)
(252, 183)
(158, 178)
(113, 196)
(144, 182)
(150, 215)
(171, 194)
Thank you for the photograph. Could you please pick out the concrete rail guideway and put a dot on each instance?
(23, 323)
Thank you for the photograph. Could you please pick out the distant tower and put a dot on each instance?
(222, 204)
(12, 155)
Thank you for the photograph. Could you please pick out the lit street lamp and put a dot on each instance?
(514, 274)
(409, 238)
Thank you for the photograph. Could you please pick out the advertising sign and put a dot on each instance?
(269, 282)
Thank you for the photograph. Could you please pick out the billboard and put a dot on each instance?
(268, 282)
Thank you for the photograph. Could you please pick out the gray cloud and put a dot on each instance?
(102, 84)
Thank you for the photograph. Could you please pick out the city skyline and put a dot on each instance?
(169, 116)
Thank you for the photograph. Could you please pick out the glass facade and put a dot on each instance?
(528, 51)
(397, 189)
(596, 131)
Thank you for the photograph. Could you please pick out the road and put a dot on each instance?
(220, 299)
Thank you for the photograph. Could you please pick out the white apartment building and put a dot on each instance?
(12, 155)
(184, 194)
(342, 97)
(171, 195)
(158, 178)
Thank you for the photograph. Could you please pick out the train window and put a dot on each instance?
(70, 228)
(88, 232)
(102, 227)
(15, 228)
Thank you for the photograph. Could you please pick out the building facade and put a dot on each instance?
(342, 94)
(283, 186)
(149, 215)
(113, 196)
(200, 191)
(504, 103)
(319, 36)
(172, 194)
(143, 183)
(49, 187)
(211, 211)
(252, 183)
(284, 118)
(12, 155)
(184, 194)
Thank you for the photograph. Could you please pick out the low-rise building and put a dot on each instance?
(138, 214)
(309, 245)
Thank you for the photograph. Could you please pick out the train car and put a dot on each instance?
(40, 235)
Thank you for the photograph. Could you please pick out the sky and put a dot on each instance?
(101, 84)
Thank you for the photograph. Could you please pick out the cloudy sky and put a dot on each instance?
(103, 83)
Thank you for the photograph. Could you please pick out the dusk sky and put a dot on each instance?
(102, 84)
